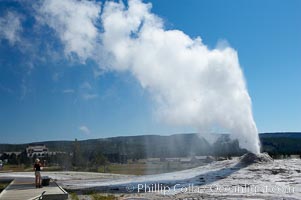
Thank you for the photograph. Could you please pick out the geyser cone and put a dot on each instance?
(250, 158)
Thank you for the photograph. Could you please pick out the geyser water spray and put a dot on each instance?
(191, 84)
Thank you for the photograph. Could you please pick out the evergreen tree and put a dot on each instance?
(77, 154)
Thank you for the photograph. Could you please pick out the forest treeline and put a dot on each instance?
(120, 149)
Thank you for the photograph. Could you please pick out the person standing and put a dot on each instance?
(37, 171)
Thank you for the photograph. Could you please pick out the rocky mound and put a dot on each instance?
(250, 158)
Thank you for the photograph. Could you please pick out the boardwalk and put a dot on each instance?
(24, 189)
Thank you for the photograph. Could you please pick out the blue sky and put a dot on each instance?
(47, 96)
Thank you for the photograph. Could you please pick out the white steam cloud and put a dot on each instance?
(192, 84)
(74, 21)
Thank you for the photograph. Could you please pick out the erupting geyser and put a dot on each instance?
(192, 85)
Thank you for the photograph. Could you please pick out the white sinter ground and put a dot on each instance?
(218, 180)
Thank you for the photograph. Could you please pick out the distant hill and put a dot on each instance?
(285, 143)
(133, 146)
(169, 146)
(281, 134)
